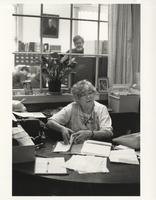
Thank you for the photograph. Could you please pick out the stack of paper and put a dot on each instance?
(92, 147)
(87, 164)
(50, 166)
(124, 156)
(30, 114)
(19, 134)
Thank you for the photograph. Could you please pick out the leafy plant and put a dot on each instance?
(55, 67)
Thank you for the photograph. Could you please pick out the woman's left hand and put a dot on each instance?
(81, 136)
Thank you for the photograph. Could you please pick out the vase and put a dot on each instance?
(54, 86)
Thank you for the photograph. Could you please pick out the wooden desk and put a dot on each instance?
(123, 179)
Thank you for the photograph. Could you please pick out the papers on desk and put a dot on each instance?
(89, 147)
(92, 147)
(61, 147)
(87, 164)
(22, 137)
(71, 148)
(30, 114)
(124, 156)
(121, 147)
(50, 166)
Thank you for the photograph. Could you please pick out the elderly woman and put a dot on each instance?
(84, 118)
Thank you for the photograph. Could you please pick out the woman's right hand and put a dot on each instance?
(66, 132)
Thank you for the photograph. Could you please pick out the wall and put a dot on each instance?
(31, 26)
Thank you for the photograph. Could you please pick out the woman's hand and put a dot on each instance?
(81, 136)
(66, 132)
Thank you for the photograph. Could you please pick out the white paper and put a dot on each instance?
(50, 166)
(121, 147)
(30, 114)
(91, 147)
(124, 156)
(14, 118)
(87, 164)
(19, 134)
(61, 147)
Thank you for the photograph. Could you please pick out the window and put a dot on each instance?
(88, 20)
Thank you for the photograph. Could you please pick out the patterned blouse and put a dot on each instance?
(72, 117)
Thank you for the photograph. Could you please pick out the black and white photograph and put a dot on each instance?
(103, 84)
(50, 26)
(70, 136)
(76, 103)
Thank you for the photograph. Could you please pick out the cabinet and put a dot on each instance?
(124, 103)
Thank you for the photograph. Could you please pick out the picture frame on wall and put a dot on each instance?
(103, 85)
(50, 26)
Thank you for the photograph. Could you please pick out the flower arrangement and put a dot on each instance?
(57, 69)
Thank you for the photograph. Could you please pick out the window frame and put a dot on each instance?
(71, 19)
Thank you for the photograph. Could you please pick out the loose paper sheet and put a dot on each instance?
(61, 147)
(91, 147)
(50, 166)
(87, 164)
(124, 156)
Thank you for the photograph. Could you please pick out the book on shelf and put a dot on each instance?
(32, 46)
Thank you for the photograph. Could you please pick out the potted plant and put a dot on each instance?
(56, 69)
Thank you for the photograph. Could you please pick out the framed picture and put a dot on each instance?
(103, 84)
(50, 26)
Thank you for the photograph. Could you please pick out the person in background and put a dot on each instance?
(35, 81)
(84, 118)
(21, 74)
(78, 43)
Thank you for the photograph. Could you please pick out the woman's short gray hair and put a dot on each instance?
(80, 88)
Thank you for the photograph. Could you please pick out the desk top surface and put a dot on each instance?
(118, 173)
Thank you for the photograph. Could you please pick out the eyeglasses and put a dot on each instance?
(89, 94)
